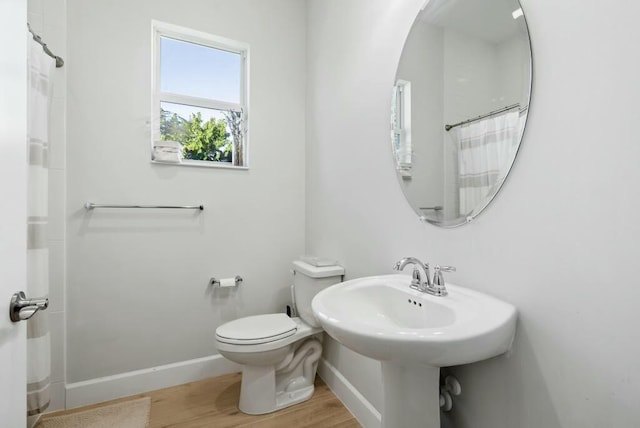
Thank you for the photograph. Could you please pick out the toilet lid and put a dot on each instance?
(256, 329)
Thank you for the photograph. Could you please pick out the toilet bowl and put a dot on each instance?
(279, 367)
(279, 355)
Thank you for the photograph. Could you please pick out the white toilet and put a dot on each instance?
(279, 355)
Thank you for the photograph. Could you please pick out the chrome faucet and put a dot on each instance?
(435, 287)
(417, 283)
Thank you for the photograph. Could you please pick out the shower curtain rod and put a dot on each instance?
(491, 113)
(38, 39)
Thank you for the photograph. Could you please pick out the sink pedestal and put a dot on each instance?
(411, 395)
(413, 334)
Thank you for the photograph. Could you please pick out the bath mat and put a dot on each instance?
(128, 414)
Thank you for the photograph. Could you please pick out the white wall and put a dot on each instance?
(560, 239)
(469, 76)
(512, 71)
(138, 291)
(422, 64)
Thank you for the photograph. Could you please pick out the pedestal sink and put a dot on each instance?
(413, 334)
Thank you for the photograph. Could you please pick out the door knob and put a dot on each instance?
(21, 308)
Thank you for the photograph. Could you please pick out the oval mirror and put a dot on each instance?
(459, 106)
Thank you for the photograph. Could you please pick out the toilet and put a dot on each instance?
(279, 355)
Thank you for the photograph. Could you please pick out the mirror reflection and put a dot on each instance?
(459, 105)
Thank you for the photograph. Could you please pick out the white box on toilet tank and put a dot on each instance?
(309, 280)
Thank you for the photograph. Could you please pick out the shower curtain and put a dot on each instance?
(38, 339)
(485, 150)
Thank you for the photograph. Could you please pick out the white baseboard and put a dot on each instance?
(135, 382)
(125, 384)
(359, 406)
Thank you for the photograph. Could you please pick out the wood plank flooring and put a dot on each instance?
(214, 403)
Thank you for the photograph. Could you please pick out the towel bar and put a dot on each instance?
(91, 206)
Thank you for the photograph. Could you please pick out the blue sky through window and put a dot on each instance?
(200, 71)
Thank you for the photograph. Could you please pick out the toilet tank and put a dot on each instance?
(309, 280)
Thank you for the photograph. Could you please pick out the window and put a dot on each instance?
(401, 127)
(200, 98)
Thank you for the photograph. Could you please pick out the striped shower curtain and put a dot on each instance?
(485, 151)
(38, 339)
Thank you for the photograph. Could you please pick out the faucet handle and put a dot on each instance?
(438, 279)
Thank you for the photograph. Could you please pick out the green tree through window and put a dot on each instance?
(201, 140)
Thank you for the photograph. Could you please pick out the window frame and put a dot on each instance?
(162, 29)
(401, 126)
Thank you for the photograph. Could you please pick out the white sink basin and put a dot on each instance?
(382, 318)
(413, 334)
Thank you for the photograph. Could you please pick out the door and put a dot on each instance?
(13, 208)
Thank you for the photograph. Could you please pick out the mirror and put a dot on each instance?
(459, 106)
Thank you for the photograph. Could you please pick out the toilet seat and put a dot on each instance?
(255, 330)
(301, 331)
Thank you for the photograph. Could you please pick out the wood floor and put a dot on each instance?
(214, 403)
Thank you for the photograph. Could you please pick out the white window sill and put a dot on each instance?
(202, 164)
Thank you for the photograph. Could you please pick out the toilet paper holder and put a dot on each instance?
(215, 282)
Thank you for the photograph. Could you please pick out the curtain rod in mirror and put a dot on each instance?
(491, 113)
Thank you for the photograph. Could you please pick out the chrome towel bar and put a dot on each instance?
(91, 206)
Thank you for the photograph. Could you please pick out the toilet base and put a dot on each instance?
(266, 389)
(251, 406)
(286, 399)
(258, 395)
